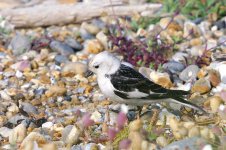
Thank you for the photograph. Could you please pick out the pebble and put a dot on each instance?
(93, 46)
(85, 34)
(190, 26)
(29, 108)
(55, 91)
(201, 86)
(215, 102)
(74, 68)
(47, 125)
(194, 131)
(5, 132)
(162, 79)
(162, 141)
(189, 73)
(59, 59)
(33, 137)
(103, 39)
(74, 44)
(214, 77)
(221, 68)
(61, 48)
(70, 135)
(174, 67)
(18, 134)
(90, 28)
(20, 44)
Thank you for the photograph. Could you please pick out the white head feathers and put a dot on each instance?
(104, 63)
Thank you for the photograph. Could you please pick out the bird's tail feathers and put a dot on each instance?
(180, 100)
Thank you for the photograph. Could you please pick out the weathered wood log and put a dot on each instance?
(58, 14)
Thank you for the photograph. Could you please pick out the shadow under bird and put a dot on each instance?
(121, 83)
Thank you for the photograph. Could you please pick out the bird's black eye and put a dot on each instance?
(96, 66)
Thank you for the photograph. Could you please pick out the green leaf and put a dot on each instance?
(152, 136)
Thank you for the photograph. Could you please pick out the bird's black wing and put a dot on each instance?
(126, 79)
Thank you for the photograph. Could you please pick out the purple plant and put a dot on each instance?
(138, 52)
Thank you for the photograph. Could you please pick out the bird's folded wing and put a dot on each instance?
(127, 79)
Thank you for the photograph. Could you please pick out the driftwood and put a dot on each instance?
(59, 14)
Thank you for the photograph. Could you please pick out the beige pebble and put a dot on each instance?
(55, 91)
(194, 131)
(173, 123)
(33, 137)
(135, 125)
(93, 46)
(50, 146)
(74, 68)
(18, 134)
(215, 102)
(162, 141)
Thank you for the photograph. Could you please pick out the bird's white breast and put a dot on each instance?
(106, 87)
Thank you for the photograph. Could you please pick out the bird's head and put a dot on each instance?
(104, 63)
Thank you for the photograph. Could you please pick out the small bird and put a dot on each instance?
(121, 83)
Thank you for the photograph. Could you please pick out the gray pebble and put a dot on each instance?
(74, 44)
(20, 44)
(189, 73)
(29, 108)
(174, 67)
(61, 59)
(62, 48)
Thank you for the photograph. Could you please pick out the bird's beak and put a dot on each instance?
(88, 73)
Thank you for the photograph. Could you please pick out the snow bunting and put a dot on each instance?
(121, 83)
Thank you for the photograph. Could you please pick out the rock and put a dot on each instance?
(90, 28)
(13, 108)
(5, 96)
(20, 44)
(194, 131)
(197, 50)
(22, 65)
(196, 41)
(3, 120)
(221, 68)
(47, 125)
(50, 146)
(174, 67)
(162, 79)
(103, 39)
(74, 68)
(214, 77)
(61, 59)
(61, 48)
(221, 24)
(74, 44)
(201, 86)
(5, 132)
(93, 46)
(91, 146)
(33, 137)
(190, 27)
(29, 108)
(189, 73)
(85, 34)
(162, 141)
(188, 143)
(215, 102)
(18, 134)
(55, 91)
(70, 135)
(135, 125)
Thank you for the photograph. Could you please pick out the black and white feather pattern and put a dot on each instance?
(130, 84)
(124, 84)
